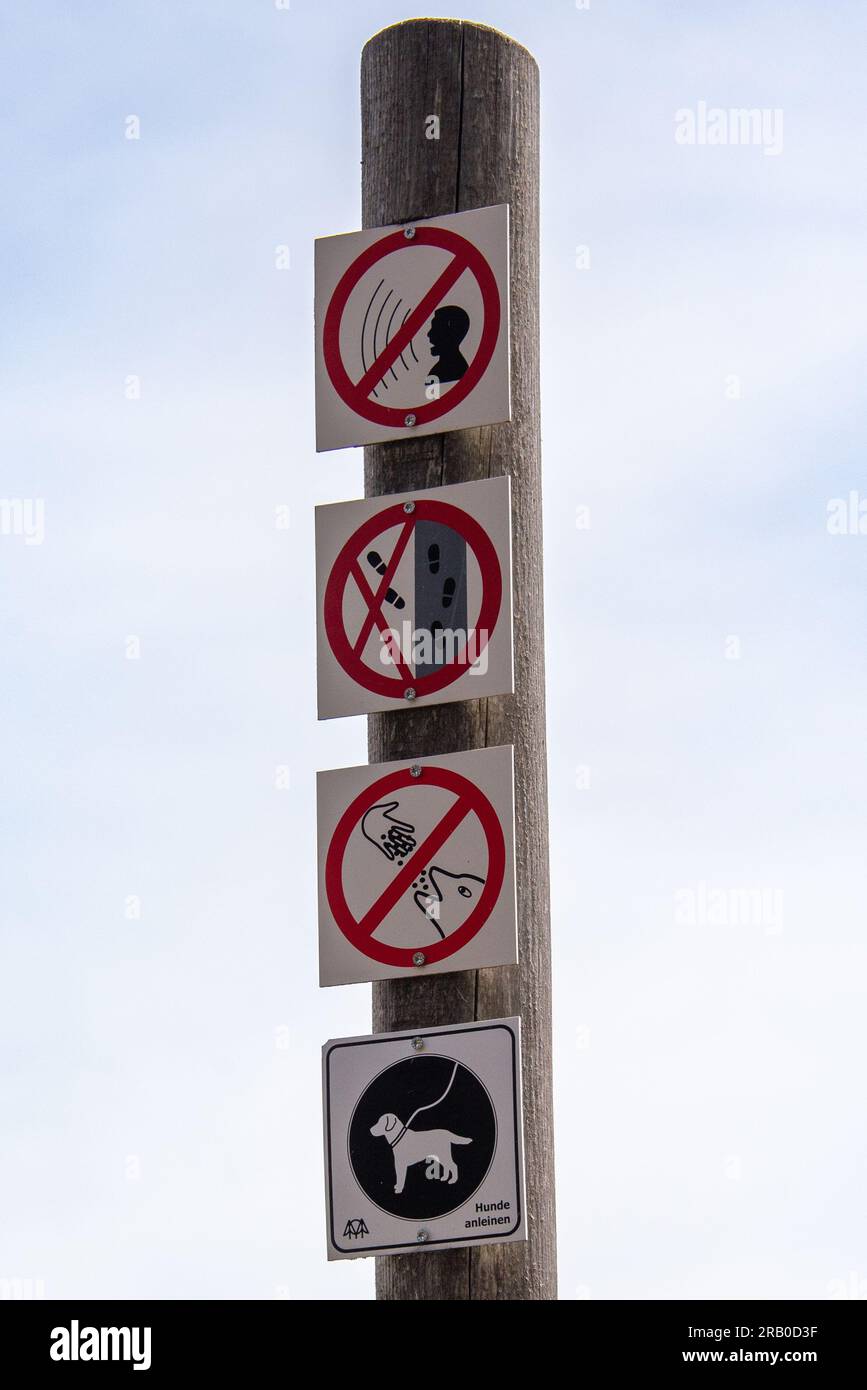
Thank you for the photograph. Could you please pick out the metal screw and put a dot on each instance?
(415, 770)
(409, 420)
(409, 233)
(418, 1044)
(422, 1236)
(418, 957)
(409, 507)
(409, 693)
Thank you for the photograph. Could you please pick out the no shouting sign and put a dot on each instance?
(414, 598)
(416, 867)
(412, 328)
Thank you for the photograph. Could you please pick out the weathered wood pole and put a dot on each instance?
(484, 89)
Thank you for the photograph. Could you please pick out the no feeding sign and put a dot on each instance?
(416, 867)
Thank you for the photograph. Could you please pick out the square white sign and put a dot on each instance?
(416, 867)
(412, 328)
(414, 598)
(424, 1139)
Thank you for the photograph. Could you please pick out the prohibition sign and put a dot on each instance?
(468, 799)
(465, 256)
(349, 654)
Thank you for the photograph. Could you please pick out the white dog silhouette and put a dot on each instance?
(409, 1146)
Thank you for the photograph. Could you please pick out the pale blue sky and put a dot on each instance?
(709, 1078)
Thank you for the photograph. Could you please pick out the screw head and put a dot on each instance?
(409, 693)
(409, 233)
(418, 1044)
(418, 958)
(409, 420)
(409, 508)
(415, 770)
(422, 1237)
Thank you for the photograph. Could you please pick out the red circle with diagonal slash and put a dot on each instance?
(465, 256)
(470, 798)
(346, 566)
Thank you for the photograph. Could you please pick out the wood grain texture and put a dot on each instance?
(485, 89)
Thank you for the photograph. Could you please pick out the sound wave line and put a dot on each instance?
(364, 323)
(411, 346)
(384, 383)
(388, 335)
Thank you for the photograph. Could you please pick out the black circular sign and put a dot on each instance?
(422, 1137)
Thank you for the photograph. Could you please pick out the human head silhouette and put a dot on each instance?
(449, 326)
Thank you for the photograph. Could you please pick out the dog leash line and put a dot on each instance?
(431, 1106)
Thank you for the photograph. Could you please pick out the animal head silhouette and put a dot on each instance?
(447, 899)
(387, 1125)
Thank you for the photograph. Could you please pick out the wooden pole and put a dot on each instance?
(484, 89)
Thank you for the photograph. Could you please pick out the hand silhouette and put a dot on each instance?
(395, 838)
